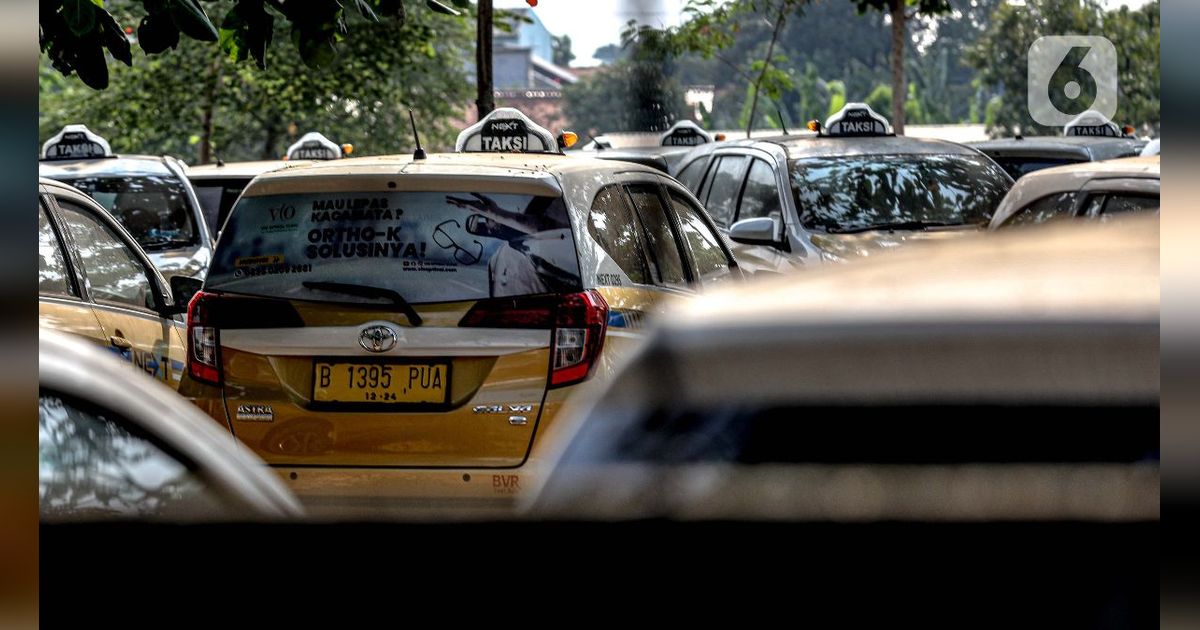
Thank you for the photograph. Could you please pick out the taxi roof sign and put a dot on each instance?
(75, 142)
(857, 119)
(506, 130)
(314, 146)
(685, 133)
(1093, 123)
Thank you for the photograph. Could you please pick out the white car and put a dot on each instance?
(115, 444)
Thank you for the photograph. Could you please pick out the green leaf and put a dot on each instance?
(189, 17)
(157, 33)
(364, 8)
(113, 38)
(80, 16)
(90, 64)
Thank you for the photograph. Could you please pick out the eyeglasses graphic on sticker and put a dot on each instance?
(445, 241)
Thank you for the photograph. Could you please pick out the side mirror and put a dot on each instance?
(760, 231)
(480, 225)
(182, 290)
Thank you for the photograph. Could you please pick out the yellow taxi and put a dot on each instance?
(406, 327)
(94, 281)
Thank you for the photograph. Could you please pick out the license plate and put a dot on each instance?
(380, 382)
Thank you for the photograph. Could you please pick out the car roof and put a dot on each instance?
(1089, 147)
(72, 367)
(1067, 272)
(248, 170)
(119, 165)
(521, 172)
(809, 145)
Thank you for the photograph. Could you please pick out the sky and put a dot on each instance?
(595, 23)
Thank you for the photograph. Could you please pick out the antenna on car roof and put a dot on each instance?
(419, 154)
(780, 115)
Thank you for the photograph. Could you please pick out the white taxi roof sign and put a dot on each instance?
(857, 119)
(314, 146)
(685, 133)
(506, 130)
(1093, 123)
(75, 142)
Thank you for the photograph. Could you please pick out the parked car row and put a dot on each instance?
(400, 332)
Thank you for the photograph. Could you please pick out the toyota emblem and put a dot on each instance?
(377, 339)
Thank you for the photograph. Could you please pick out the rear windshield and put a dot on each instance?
(848, 193)
(425, 246)
(154, 208)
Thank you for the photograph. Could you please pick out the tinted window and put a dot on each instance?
(217, 197)
(1044, 209)
(112, 272)
(153, 208)
(612, 224)
(691, 174)
(849, 193)
(761, 197)
(53, 276)
(1121, 203)
(711, 263)
(659, 235)
(1018, 166)
(91, 466)
(427, 246)
(726, 184)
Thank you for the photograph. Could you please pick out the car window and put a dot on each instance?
(761, 196)
(1019, 166)
(691, 174)
(854, 193)
(154, 209)
(426, 246)
(723, 194)
(112, 272)
(709, 258)
(53, 276)
(1122, 203)
(1044, 209)
(92, 466)
(659, 235)
(612, 224)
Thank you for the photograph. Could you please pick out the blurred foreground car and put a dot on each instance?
(1005, 378)
(1091, 138)
(407, 327)
(94, 281)
(149, 195)
(852, 190)
(114, 444)
(1094, 190)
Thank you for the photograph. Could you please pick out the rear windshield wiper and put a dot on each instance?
(902, 225)
(165, 243)
(367, 292)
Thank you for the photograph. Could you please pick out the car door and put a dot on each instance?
(124, 290)
(1108, 197)
(60, 302)
(708, 255)
(761, 197)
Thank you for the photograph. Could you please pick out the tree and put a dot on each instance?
(1001, 58)
(900, 12)
(637, 93)
(75, 34)
(198, 103)
(561, 49)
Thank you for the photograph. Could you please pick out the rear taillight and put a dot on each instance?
(204, 350)
(577, 321)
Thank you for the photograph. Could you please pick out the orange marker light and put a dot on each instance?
(719, 137)
(347, 149)
(814, 125)
(568, 139)
(1127, 130)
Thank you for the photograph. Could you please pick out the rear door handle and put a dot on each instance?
(120, 342)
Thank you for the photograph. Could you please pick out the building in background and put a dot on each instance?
(523, 74)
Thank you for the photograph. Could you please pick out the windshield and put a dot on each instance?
(848, 193)
(425, 246)
(154, 208)
(1018, 166)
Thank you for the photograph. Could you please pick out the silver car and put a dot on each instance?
(115, 444)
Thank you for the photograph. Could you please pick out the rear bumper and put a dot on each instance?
(385, 493)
